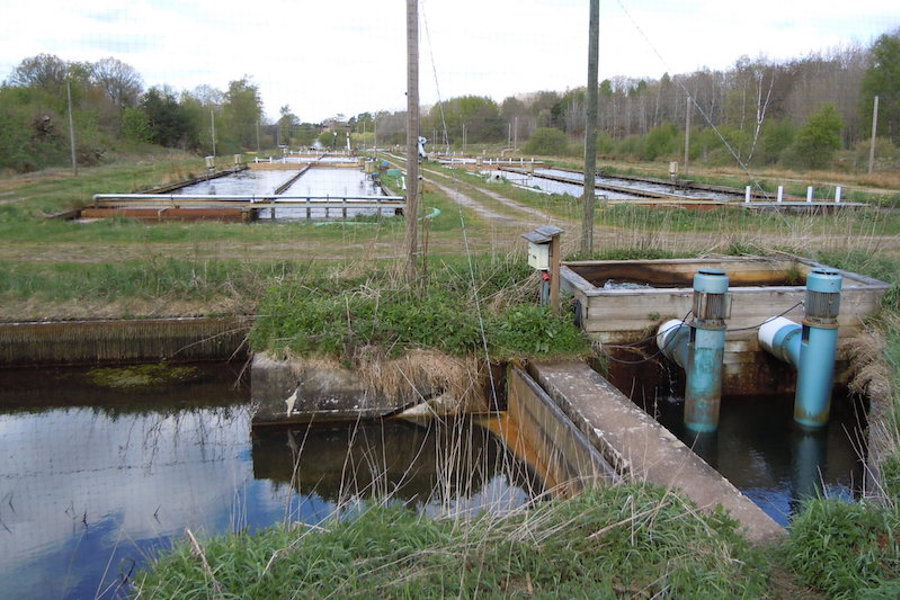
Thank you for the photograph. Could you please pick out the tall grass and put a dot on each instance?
(630, 540)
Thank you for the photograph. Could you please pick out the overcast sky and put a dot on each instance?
(326, 57)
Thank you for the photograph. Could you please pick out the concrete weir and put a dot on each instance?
(641, 449)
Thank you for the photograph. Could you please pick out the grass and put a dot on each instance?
(620, 541)
(342, 317)
(846, 550)
(332, 291)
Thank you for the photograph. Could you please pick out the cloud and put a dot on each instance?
(323, 58)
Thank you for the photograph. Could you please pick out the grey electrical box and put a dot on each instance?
(539, 256)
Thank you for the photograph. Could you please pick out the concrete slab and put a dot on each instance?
(640, 448)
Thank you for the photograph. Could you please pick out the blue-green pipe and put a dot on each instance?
(699, 348)
(811, 348)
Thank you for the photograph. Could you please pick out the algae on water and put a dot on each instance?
(141, 376)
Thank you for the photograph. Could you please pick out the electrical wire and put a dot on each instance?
(744, 167)
(636, 344)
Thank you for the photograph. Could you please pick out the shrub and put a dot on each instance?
(547, 141)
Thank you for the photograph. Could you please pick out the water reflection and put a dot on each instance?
(775, 462)
(94, 481)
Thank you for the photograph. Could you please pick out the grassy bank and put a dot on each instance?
(622, 541)
(455, 310)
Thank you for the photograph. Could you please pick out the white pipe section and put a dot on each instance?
(747, 194)
(666, 330)
(809, 194)
(837, 195)
(769, 330)
(780, 193)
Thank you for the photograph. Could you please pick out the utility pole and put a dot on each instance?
(590, 131)
(516, 132)
(872, 143)
(687, 133)
(212, 120)
(71, 129)
(412, 136)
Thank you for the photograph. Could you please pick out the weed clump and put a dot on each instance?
(847, 550)
(456, 312)
(141, 376)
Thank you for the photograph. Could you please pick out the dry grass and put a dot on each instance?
(418, 376)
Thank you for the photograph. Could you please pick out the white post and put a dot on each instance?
(837, 195)
(809, 193)
(747, 194)
(780, 193)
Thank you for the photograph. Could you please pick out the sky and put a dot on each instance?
(330, 57)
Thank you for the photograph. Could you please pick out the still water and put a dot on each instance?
(317, 181)
(758, 447)
(95, 481)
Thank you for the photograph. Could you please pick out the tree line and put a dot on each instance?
(796, 113)
(112, 109)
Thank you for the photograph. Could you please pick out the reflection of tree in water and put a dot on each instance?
(438, 463)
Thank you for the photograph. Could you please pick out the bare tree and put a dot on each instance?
(122, 84)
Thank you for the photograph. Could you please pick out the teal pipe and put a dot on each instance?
(810, 348)
(699, 348)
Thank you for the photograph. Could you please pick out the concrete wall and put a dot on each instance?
(641, 449)
(122, 341)
(537, 431)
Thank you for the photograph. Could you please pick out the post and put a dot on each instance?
(212, 117)
(837, 195)
(555, 259)
(516, 132)
(872, 143)
(590, 131)
(257, 135)
(747, 194)
(809, 193)
(71, 129)
(687, 133)
(412, 135)
(780, 193)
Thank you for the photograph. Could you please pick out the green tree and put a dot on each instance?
(135, 125)
(242, 111)
(547, 141)
(882, 79)
(819, 138)
(777, 137)
(287, 122)
(169, 123)
(660, 142)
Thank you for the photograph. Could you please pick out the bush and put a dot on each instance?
(547, 141)
(846, 550)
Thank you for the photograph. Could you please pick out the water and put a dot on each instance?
(318, 181)
(758, 447)
(94, 482)
(243, 183)
(551, 186)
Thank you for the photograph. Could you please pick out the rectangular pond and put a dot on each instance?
(102, 469)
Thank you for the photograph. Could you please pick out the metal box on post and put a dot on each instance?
(539, 255)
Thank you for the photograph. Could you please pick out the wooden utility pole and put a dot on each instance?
(71, 129)
(590, 131)
(212, 122)
(872, 143)
(687, 134)
(412, 136)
